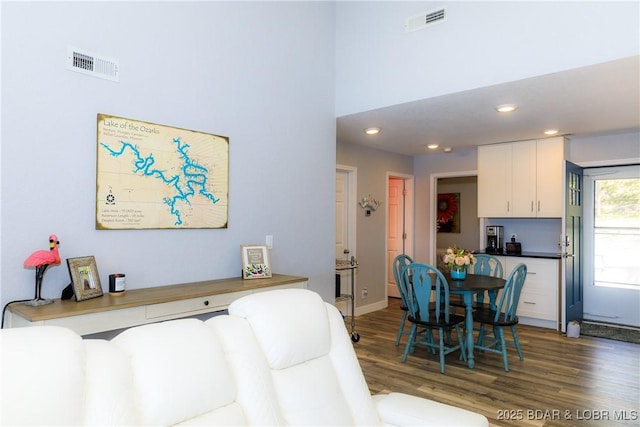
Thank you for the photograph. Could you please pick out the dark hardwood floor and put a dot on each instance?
(561, 382)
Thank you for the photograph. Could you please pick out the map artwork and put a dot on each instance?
(155, 176)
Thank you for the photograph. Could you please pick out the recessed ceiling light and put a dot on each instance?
(447, 149)
(506, 108)
(372, 131)
(432, 146)
(551, 131)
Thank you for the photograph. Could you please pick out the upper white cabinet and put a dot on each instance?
(550, 166)
(494, 180)
(521, 179)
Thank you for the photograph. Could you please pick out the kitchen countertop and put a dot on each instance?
(546, 255)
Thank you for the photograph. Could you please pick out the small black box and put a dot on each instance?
(513, 248)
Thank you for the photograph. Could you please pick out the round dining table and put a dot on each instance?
(467, 287)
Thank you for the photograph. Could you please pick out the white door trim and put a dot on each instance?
(602, 304)
(346, 276)
(351, 209)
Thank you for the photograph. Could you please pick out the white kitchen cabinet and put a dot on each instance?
(521, 179)
(494, 180)
(550, 155)
(539, 300)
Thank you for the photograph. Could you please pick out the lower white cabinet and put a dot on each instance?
(539, 300)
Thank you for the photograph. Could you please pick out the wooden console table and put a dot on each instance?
(139, 306)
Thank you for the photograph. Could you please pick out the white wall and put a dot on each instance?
(260, 73)
(605, 149)
(481, 43)
(373, 166)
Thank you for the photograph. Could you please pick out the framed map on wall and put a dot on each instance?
(151, 176)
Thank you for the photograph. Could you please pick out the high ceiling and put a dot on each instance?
(588, 101)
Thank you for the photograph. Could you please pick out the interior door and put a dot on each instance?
(344, 234)
(342, 215)
(572, 244)
(396, 233)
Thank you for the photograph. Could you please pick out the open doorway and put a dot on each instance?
(399, 224)
(460, 188)
(611, 239)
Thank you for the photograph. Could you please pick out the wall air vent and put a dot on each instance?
(94, 65)
(424, 20)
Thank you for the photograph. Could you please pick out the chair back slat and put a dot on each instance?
(508, 304)
(422, 284)
(400, 263)
(487, 265)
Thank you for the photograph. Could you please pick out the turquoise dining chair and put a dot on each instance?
(427, 295)
(486, 265)
(502, 317)
(399, 264)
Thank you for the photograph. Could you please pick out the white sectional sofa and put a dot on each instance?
(280, 357)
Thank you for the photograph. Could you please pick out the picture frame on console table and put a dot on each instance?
(255, 261)
(84, 277)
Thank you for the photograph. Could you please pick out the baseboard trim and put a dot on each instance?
(364, 309)
(548, 324)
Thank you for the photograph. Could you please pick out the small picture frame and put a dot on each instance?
(84, 277)
(255, 262)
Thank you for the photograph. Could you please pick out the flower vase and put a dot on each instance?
(458, 272)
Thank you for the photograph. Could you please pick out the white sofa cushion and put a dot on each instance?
(42, 376)
(249, 367)
(405, 410)
(51, 376)
(313, 368)
(288, 333)
(180, 374)
(109, 398)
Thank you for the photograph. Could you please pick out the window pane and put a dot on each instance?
(616, 253)
(617, 232)
(617, 203)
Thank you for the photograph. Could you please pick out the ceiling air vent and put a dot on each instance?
(94, 65)
(424, 20)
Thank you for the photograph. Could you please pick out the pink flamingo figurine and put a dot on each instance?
(41, 260)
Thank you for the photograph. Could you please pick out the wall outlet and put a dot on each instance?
(365, 292)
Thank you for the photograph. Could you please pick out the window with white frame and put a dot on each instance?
(616, 227)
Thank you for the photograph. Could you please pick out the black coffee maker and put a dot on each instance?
(495, 235)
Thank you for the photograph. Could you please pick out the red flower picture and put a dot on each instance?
(447, 213)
